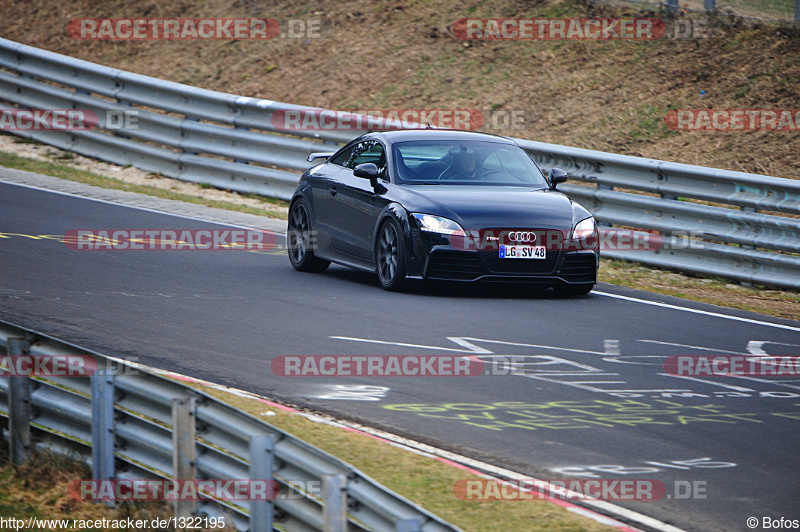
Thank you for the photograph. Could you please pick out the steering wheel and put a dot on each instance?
(448, 178)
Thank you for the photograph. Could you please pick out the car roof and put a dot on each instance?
(405, 135)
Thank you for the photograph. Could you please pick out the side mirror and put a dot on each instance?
(556, 176)
(366, 170)
(320, 155)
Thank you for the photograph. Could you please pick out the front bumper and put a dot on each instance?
(434, 258)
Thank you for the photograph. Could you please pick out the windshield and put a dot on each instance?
(464, 163)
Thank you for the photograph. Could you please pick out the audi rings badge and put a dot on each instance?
(521, 236)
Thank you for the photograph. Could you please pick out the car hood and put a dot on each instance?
(484, 207)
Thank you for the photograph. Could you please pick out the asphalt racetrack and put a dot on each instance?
(577, 387)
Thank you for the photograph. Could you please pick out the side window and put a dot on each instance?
(511, 164)
(369, 151)
(343, 157)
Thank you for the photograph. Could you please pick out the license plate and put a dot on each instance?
(523, 252)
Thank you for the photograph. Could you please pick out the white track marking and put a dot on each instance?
(466, 341)
(697, 311)
(690, 347)
(145, 209)
(474, 350)
(611, 348)
(469, 345)
(715, 383)
(756, 347)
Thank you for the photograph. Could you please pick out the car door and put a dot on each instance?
(323, 190)
(354, 202)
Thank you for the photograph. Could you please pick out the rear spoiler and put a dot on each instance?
(320, 155)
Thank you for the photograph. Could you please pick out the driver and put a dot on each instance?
(464, 165)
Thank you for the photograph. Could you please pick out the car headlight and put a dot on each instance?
(437, 224)
(585, 229)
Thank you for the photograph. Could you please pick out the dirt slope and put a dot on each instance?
(381, 54)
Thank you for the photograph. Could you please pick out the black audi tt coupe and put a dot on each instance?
(447, 205)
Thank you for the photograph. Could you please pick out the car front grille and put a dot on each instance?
(460, 265)
(490, 255)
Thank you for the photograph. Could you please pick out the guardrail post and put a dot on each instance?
(672, 7)
(797, 10)
(601, 186)
(19, 407)
(749, 209)
(242, 161)
(334, 502)
(261, 454)
(184, 450)
(409, 525)
(184, 150)
(103, 425)
(125, 121)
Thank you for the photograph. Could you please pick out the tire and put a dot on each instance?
(298, 238)
(390, 256)
(573, 289)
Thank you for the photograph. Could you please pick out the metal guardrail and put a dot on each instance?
(230, 142)
(122, 421)
(768, 10)
(729, 238)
